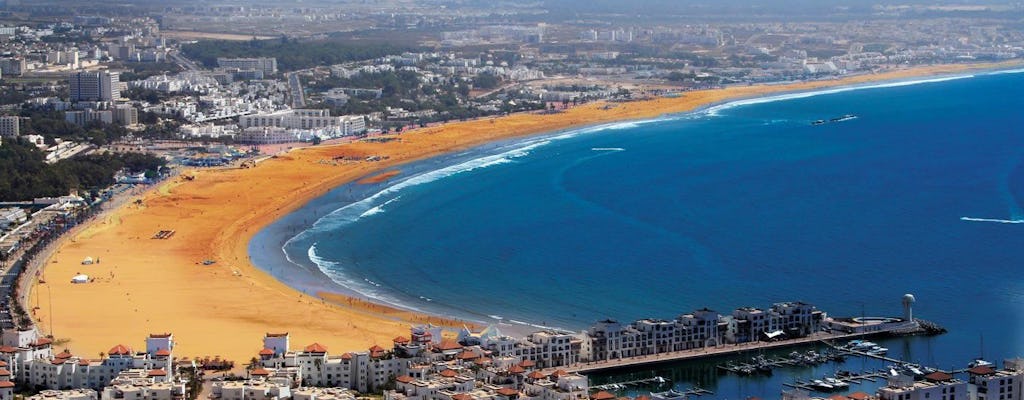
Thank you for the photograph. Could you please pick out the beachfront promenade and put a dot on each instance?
(691, 354)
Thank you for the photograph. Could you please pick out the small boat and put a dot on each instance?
(844, 117)
(818, 122)
(877, 350)
(978, 362)
(835, 383)
(820, 384)
(670, 394)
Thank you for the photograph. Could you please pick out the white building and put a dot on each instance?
(268, 65)
(935, 386)
(31, 361)
(987, 383)
(302, 119)
(12, 216)
(94, 86)
(363, 371)
(86, 116)
(74, 394)
(10, 126)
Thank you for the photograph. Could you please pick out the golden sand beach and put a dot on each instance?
(145, 285)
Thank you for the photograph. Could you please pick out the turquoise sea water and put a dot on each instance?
(743, 204)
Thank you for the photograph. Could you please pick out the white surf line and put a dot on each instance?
(1001, 221)
(607, 149)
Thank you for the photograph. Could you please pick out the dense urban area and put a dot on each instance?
(100, 99)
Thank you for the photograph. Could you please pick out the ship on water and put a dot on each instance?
(841, 118)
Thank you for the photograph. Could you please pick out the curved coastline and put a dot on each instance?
(159, 285)
(267, 248)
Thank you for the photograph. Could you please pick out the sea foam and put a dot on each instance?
(715, 111)
(1000, 221)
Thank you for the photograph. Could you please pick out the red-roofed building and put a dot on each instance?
(1005, 382)
(401, 340)
(449, 373)
(937, 386)
(404, 379)
(119, 350)
(859, 396)
(266, 353)
(163, 353)
(602, 395)
(316, 348)
(260, 372)
(535, 375)
(157, 372)
(938, 376)
(448, 346)
(466, 355)
(515, 369)
(981, 370)
(41, 342)
(462, 396)
(508, 392)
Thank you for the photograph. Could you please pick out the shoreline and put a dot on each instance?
(161, 285)
(270, 260)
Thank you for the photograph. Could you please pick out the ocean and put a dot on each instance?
(741, 204)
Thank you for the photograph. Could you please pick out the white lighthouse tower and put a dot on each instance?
(908, 309)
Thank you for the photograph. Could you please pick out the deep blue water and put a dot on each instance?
(745, 205)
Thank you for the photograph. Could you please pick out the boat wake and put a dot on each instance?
(607, 149)
(999, 221)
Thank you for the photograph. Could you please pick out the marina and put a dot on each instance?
(761, 364)
(657, 380)
(840, 382)
(727, 349)
(681, 394)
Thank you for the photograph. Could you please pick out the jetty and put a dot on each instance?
(848, 379)
(657, 380)
(706, 352)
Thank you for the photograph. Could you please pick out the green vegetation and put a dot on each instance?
(141, 71)
(486, 81)
(25, 175)
(291, 54)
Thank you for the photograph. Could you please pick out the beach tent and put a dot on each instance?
(80, 278)
(87, 261)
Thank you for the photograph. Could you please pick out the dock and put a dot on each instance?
(657, 380)
(850, 379)
(801, 359)
(698, 353)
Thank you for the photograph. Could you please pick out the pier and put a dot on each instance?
(862, 353)
(657, 380)
(849, 379)
(698, 353)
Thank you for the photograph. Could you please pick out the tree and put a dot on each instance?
(486, 81)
